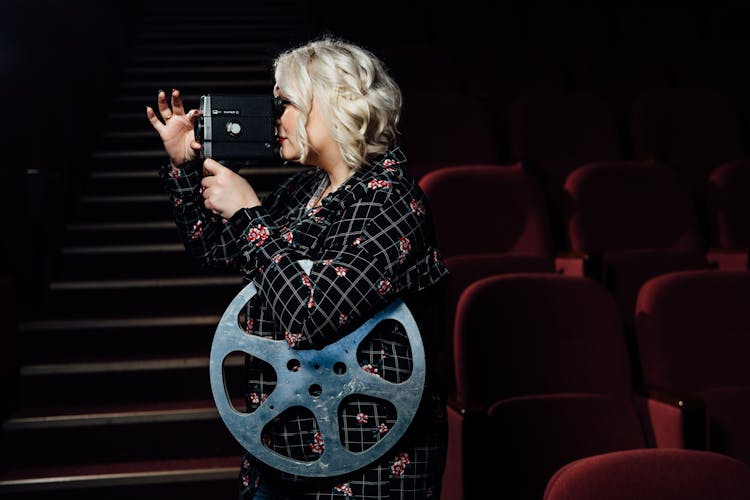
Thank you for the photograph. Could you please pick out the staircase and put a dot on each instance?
(115, 400)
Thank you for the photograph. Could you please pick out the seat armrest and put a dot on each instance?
(731, 259)
(672, 420)
(582, 264)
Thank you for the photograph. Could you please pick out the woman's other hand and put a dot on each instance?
(224, 191)
(175, 127)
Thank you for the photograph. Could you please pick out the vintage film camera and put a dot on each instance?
(239, 130)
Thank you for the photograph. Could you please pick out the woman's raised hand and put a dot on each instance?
(175, 128)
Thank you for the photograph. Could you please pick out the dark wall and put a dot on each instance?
(59, 62)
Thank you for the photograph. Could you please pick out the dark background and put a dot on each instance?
(61, 61)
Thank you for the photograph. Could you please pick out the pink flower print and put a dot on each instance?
(384, 287)
(399, 464)
(177, 202)
(312, 202)
(382, 354)
(250, 325)
(276, 258)
(258, 235)
(361, 418)
(245, 464)
(357, 241)
(315, 210)
(306, 280)
(254, 398)
(370, 369)
(288, 236)
(341, 271)
(417, 207)
(435, 256)
(292, 338)
(245, 480)
(343, 318)
(175, 172)
(404, 247)
(378, 184)
(319, 220)
(328, 262)
(382, 429)
(389, 161)
(311, 300)
(345, 488)
(197, 230)
(317, 445)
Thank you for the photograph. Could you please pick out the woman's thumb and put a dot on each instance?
(211, 167)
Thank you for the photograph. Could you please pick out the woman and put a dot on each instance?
(365, 225)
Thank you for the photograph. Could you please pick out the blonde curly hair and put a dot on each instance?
(358, 100)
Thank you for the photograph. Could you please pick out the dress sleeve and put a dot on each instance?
(317, 302)
(208, 238)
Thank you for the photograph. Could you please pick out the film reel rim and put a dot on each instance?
(408, 393)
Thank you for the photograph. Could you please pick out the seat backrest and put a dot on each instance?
(531, 437)
(651, 474)
(728, 205)
(440, 129)
(691, 129)
(487, 209)
(630, 205)
(533, 333)
(692, 329)
(555, 132)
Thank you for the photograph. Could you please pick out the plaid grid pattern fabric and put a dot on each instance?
(368, 242)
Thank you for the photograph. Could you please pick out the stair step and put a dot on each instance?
(188, 84)
(214, 477)
(141, 232)
(52, 340)
(150, 260)
(107, 183)
(179, 61)
(118, 433)
(266, 48)
(199, 295)
(150, 160)
(125, 381)
(210, 69)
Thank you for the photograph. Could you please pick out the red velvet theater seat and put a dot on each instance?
(489, 220)
(531, 437)
(691, 129)
(693, 335)
(631, 221)
(532, 334)
(441, 129)
(728, 209)
(554, 132)
(651, 474)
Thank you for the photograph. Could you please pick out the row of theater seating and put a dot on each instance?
(555, 131)
(554, 351)
(546, 374)
(623, 223)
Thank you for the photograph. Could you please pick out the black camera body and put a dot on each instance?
(239, 128)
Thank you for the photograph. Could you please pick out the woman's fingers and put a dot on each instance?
(177, 106)
(164, 110)
(153, 119)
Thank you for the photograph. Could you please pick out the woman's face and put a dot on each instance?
(318, 136)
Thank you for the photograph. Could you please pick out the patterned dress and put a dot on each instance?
(369, 241)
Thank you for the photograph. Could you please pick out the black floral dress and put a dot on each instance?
(368, 242)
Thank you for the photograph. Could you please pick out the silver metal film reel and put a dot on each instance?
(315, 385)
